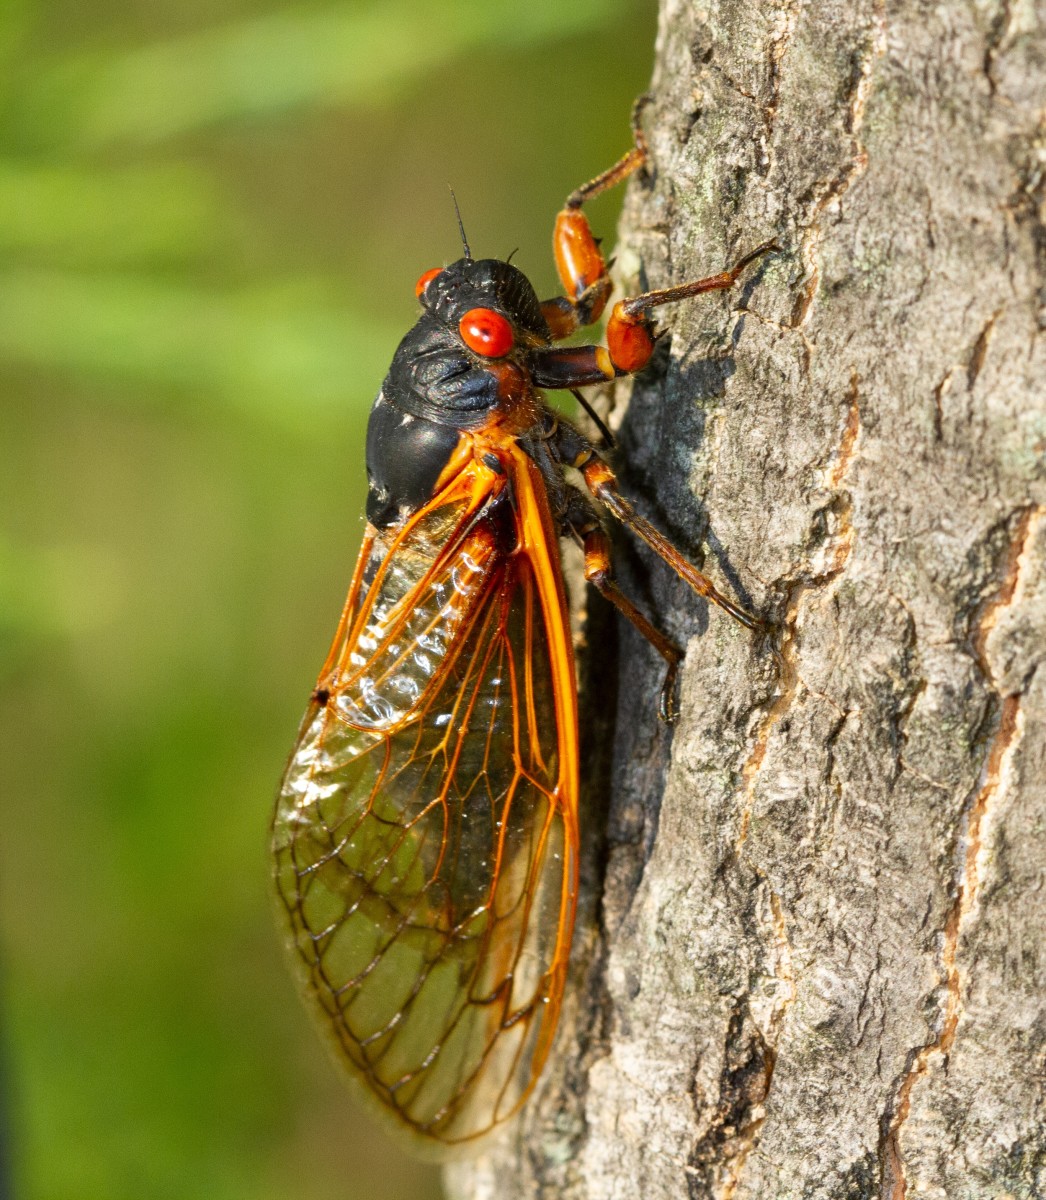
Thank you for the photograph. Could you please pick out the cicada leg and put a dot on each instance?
(602, 483)
(596, 546)
(630, 333)
(571, 448)
(580, 264)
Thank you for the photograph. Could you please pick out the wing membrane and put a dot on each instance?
(425, 834)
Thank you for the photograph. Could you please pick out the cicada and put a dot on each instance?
(425, 839)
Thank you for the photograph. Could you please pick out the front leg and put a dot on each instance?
(630, 333)
(579, 261)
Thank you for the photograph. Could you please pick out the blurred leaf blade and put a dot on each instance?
(273, 354)
(211, 216)
(54, 591)
(278, 63)
(140, 213)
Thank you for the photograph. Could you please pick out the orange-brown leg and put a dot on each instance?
(597, 571)
(579, 262)
(630, 334)
(602, 484)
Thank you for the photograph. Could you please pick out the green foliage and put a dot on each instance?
(212, 214)
(275, 352)
(279, 62)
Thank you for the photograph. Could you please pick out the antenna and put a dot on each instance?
(461, 227)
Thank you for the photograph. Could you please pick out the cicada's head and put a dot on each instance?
(490, 304)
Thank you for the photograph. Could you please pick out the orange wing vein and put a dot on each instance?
(425, 835)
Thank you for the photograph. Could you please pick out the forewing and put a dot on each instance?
(425, 833)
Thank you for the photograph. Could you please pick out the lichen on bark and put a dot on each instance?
(811, 954)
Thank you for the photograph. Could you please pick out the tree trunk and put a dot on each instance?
(811, 954)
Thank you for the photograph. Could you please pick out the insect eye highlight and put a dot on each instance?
(425, 280)
(486, 332)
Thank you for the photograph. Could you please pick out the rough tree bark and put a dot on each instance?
(811, 955)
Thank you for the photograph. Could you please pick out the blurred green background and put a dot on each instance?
(212, 215)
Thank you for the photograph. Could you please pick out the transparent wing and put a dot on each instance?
(425, 832)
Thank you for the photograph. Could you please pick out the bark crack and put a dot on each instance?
(748, 1063)
(974, 366)
(980, 349)
(787, 16)
(784, 973)
(835, 554)
(972, 843)
(939, 393)
(998, 31)
(782, 327)
(830, 191)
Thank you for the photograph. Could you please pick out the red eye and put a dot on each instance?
(486, 332)
(425, 280)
